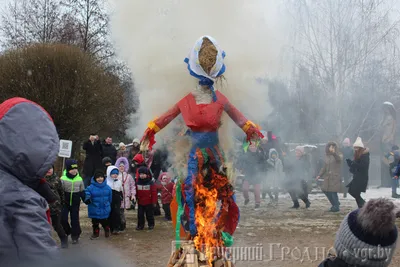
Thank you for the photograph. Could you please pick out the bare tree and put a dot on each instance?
(341, 44)
(31, 21)
(92, 24)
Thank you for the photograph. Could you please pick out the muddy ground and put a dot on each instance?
(287, 237)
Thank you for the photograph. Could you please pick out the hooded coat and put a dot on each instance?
(115, 185)
(167, 187)
(332, 170)
(100, 196)
(274, 170)
(128, 184)
(29, 146)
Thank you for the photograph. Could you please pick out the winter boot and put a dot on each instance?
(257, 206)
(64, 242)
(296, 205)
(107, 232)
(334, 209)
(151, 227)
(394, 195)
(96, 233)
(264, 195)
(75, 241)
(308, 203)
(246, 201)
(139, 228)
(115, 232)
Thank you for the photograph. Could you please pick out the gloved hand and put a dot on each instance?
(88, 201)
(349, 162)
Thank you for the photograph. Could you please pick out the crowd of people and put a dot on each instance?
(30, 203)
(112, 182)
(266, 167)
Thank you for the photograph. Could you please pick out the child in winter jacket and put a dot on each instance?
(137, 162)
(128, 188)
(274, 175)
(98, 197)
(146, 198)
(55, 208)
(116, 186)
(166, 187)
(73, 187)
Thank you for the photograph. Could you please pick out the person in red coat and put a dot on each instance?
(166, 187)
(146, 193)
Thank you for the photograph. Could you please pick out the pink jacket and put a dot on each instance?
(128, 184)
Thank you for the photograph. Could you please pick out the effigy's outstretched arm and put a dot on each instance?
(158, 124)
(250, 128)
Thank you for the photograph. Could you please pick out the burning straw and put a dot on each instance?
(188, 256)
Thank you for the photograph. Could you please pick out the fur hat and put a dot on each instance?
(121, 145)
(358, 143)
(367, 237)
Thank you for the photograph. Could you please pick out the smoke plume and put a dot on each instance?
(155, 36)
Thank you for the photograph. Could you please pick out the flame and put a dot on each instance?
(208, 192)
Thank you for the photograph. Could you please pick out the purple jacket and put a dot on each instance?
(29, 146)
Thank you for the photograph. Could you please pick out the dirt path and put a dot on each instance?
(287, 237)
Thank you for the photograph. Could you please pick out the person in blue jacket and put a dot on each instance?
(99, 198)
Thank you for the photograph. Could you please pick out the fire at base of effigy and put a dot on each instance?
(188, 256)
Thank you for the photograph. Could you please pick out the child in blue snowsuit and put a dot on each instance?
(98, 197)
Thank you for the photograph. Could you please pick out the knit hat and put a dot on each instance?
(121, 145)
(144, 170)
(71, 164)
(395, 147)
(138, 158)
(136, 140)
(106, 160)
(115, 171)
(346, 142)
(98, 173)
(367, 237)
(358, 143)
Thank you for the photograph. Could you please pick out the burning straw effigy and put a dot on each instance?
(204, 209)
